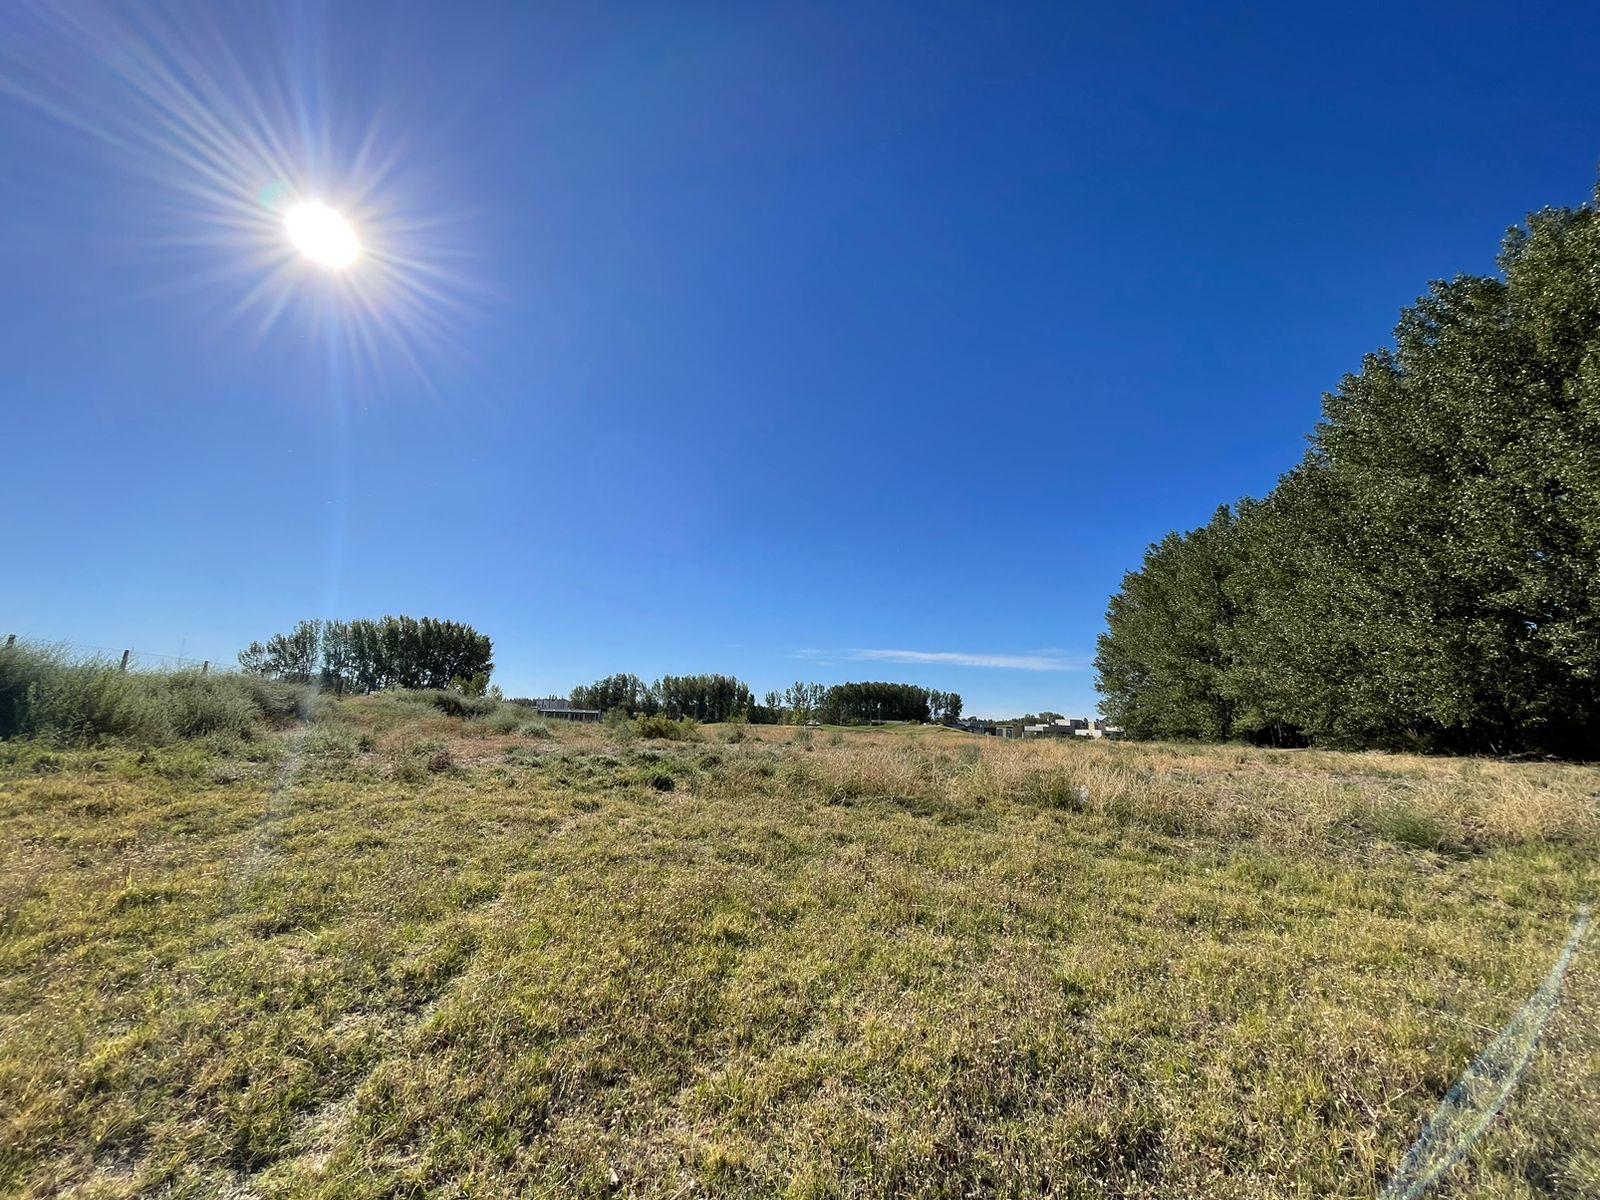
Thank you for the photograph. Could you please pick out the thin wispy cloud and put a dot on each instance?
(951, 658)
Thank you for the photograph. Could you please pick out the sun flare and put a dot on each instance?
(322, 235)
(237, 166)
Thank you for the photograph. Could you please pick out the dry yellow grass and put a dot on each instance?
(404, 954)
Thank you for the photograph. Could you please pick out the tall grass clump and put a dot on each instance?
(280, 704)
(449, 702)
(666, 729)
(21, 667)
(514, 719)
(197, 705)
(45, 694)
(85, 702)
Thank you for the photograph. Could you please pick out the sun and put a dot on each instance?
(322, 235)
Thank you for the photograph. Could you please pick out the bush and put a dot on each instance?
(20, 668)
(334, 743)
(503, 720)
(452, 703)
(200, 704)
(413, 762)
(619, 725)
(45, 694)
(668, 729)
(279, 704)
(513, 718)
(84, 702)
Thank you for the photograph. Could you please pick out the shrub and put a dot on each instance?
(333, 743)
(668, 729)
(44, 694)
(278, 703)
(452, 703)
(503, 720)
(199, 704)
(619, 725)
(513, 718)
(20, 668)
(413, 762)
(83, 702)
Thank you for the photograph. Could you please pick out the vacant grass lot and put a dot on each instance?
(400, 953)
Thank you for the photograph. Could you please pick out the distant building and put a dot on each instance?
(1084, 727)
(558, 709)
(1099, 729)
(1060, 727)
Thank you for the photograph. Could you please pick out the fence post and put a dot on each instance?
(125, 654)
(205, 666)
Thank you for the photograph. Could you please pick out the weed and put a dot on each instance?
(1416, 828)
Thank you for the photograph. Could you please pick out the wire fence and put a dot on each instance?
(126, 658)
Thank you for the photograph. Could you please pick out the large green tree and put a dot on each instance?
(1164, 657)
(1430, 574)
(366, 655)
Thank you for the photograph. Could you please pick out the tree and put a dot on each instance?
(704, 697)
(293, 657)
(626, 692)
(798, 700)
(861, 703)
(1164, 657)
(1429, 575)
(364, 655)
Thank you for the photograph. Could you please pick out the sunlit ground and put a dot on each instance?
(396, 952)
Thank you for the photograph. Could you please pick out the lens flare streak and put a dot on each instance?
(293, 209)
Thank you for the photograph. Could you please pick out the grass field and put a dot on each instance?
(397, 953)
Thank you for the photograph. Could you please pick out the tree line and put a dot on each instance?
(724, 698)
(701, 697)
(367, 655)
(860, 703)
(1429, 575)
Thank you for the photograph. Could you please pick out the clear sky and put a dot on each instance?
(784, 341)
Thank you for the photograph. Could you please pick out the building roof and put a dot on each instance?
(556, 704)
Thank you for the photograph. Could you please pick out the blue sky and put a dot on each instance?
(818, 342)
